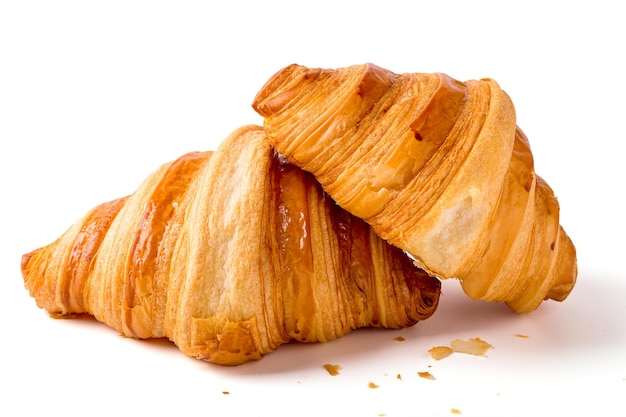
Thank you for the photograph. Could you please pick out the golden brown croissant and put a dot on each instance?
(229, 255)
(436, 166)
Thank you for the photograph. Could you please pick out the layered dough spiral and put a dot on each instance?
(229, 254)
(436, 166)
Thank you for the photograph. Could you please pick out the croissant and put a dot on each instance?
(229, 255)
(436, 166)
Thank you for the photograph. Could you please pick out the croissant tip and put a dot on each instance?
(562, 289)
(26, 260)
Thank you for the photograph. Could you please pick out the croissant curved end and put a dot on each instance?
(26, 259)
(290, 75)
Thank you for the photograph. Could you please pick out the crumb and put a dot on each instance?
(440, 352)
(473, 346)
(333, 370)
(399, 339)
(225, 392)
(399, 377)
(426, 375)
(382, 415)
(522, 336)
(372, 385)
(455, 411)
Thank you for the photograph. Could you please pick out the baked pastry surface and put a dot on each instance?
(437, 167)
(229, 254)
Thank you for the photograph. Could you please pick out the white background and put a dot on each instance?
(96, 95)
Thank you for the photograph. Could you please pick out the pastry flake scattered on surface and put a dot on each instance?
(333, 370)
(440, 352)
(426, 375)
(473, 346)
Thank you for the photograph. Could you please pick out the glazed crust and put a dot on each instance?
(229, 254)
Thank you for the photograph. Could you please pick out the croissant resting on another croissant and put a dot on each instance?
(229, 255)
(436, 166)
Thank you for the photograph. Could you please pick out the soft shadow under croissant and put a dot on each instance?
(229, 255)
(436, 166)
